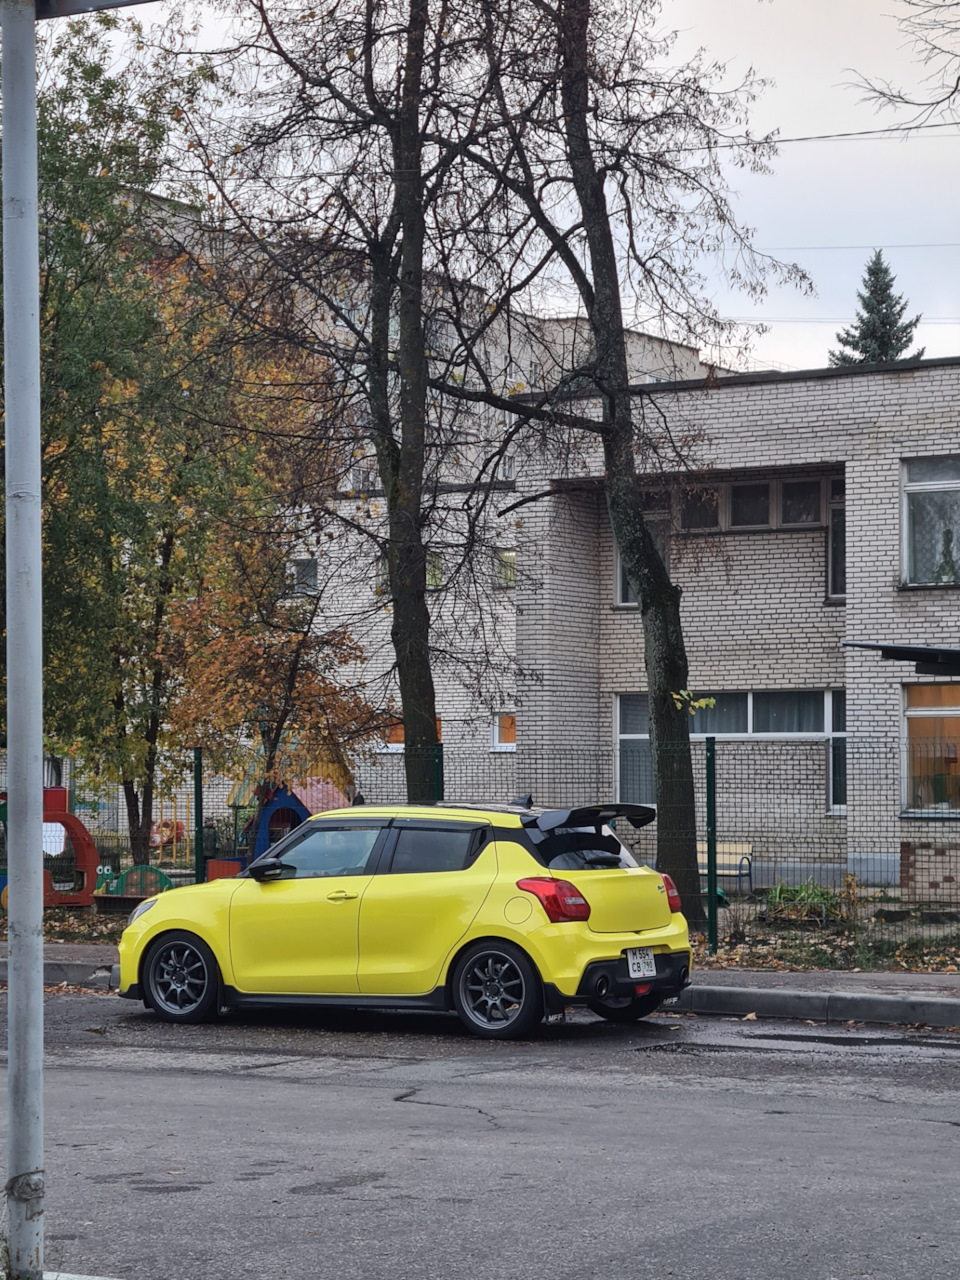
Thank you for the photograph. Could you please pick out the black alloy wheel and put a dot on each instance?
(181, 980)
(497, 991)
(625, 1008)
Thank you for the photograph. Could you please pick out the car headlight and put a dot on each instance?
(139, 909)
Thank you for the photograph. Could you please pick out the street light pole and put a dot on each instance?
(21, 368)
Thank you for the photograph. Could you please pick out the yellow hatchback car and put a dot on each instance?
(505, 915)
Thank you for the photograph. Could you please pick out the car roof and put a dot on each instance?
(503, 815)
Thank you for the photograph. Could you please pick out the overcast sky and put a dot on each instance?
(828, 204)
(864, 193)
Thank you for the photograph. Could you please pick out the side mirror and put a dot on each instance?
(265, 869)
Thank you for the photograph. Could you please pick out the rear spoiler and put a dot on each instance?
(592, 815)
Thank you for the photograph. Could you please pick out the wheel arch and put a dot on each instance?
(165, 933)
(465, 946)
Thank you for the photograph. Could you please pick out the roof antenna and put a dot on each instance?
(522, 802)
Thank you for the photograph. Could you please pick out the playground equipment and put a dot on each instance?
(77, 837)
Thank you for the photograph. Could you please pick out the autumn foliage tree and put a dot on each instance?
(161, 416)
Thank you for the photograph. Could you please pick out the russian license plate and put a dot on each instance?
(640, 962)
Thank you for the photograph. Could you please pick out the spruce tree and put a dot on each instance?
(880, 331)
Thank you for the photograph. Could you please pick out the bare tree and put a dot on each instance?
(932, 28)
(608, 160)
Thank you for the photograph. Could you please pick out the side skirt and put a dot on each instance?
(435, 1001)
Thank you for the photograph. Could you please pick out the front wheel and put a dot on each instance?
(497, 991)
(181, 981)
(625, 1008)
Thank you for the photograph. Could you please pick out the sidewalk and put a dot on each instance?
(932, 999)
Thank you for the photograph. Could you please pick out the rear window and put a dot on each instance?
(581, 848)
(420, 850)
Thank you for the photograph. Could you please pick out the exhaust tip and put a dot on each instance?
(603, 985)
(684, 977)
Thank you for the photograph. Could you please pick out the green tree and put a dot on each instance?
(879, 331)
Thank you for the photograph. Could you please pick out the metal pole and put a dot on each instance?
(712, 845)
(24, 643)
(198, 858)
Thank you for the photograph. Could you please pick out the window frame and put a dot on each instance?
(775, 523)
(826, 735)
(299, 587)
(504, 578)
(908, 487)
(475, 848)
(920, 713)
(496, 743)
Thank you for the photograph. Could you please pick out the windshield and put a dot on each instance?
(579, 848)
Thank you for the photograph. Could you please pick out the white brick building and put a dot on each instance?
(822, 506)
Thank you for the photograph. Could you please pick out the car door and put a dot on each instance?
(432, 882)
(298, 934)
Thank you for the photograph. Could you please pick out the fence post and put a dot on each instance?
(438, 772)
(200, 869)
(712, 845)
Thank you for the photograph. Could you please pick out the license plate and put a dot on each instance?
(640, 962)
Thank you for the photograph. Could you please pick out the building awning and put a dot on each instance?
(928, 660)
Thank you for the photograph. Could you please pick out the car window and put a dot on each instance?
(331, 851)
(423, 849)
(583, 848)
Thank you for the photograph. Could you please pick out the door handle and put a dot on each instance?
(340, 895)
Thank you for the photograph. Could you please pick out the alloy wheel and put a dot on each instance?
(492, 990)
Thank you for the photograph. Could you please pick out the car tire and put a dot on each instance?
(625, 1008)
(497, 991)
(181, 979)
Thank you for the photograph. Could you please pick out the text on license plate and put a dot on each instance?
(641, 963)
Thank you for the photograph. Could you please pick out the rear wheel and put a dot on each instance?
(625, 1008)
(497, 991)
(181, 980)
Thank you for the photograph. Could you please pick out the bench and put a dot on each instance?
(734, 859)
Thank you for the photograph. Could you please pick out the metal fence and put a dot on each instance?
(840, 850)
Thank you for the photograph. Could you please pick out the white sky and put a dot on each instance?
(862, 193)
(869, 193)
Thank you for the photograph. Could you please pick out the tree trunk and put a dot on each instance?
(407, 557)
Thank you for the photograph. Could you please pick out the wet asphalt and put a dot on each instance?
(333, 1146)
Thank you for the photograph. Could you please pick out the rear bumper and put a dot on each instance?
(610, 977)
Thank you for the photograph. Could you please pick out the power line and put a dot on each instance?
(828, 320)
(808, 248)
(879, 135)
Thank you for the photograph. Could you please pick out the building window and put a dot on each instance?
(788, 711)
(837, 745)
(800, 502)
(504, 567)
(434, 570)
(635, 783)
(508, 466)
(760, 714)
(505, 731)
(700, 510)
(932, 754)
(932, 521)
(625, 593)
(303, 577)
(749, 506)
(837, 542)
(729, 714)
(393, 736)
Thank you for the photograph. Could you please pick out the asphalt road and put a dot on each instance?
(316, 1147)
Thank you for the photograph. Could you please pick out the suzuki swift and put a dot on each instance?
(504, 915)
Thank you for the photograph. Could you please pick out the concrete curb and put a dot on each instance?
(76, 973)
(820, 1006)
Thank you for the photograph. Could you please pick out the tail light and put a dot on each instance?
(673, 895)
(560, 899)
